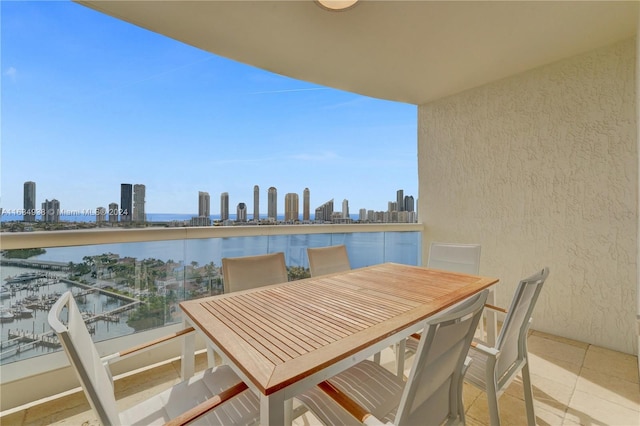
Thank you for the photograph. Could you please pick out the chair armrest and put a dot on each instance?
(208, 405)
(482, 348)
(495, 308)
(352, 407)
(147, 345)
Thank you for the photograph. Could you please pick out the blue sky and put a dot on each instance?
(90, 102)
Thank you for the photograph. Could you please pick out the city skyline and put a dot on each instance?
(133, 200)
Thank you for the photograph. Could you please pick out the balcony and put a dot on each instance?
(574, 382)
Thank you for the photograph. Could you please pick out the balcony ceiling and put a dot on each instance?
(407, 51)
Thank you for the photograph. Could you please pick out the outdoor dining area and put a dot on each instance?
(316, 343)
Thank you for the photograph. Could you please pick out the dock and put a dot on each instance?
(47, 340)
(36, 264)
(110, 316)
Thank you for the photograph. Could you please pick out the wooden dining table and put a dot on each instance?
(283, 339)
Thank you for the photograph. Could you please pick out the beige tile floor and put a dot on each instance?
(574, 384)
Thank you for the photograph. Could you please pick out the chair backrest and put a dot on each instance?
(84, 358)
(243, 273)
(512, 338)
(464, 258)
(433, 391)
(327, 260)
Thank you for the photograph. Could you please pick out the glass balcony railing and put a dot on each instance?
(132, 281)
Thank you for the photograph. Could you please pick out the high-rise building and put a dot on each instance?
(324, 213)
(29, 202)
(392, 206)
(51, 211)
(306, 205)
(224, 206)
(101, 215)
(241, 212)
(272, 203)
(409, 203)
(362, 215)
(256, 203)
(345, 209)
(291, 207)
(139, 214)
(126, 202)
(113, 212)
(400, 200)
(204, 204)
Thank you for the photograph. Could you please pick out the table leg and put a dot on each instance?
(211, 357)
(492, 318)
(272, 409)
(400, 354)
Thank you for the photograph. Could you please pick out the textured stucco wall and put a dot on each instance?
(542, 169)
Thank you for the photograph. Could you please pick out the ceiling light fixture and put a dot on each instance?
(336, 5)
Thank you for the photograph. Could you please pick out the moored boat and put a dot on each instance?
(5, 293)
(6, 315)
(26, 276)
(22, 311)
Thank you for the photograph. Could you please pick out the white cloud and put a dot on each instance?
(11, 72)
(315, 157)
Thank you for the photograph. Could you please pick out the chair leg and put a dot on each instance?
(528, 395)
(492, 399)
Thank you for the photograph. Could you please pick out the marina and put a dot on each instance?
(27, 295)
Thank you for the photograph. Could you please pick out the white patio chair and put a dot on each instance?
(463, 258)
(368, 393)
(216, 396)
(494, 367)
(327, 260)
(243, 273)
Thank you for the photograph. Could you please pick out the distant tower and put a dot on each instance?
(400, 200)
(306, 204)
(204, 204)
(345, 209)
(139, 214)
(256, 203)
(224, 206)
(392, 206)
(291, 206)
(51, 211)
(362, 215)
(126, 202)
(29, 202)
(409, 203)
(324, 212)
(272, 203)
(241, 212)
(101, 215)
(113, 212)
